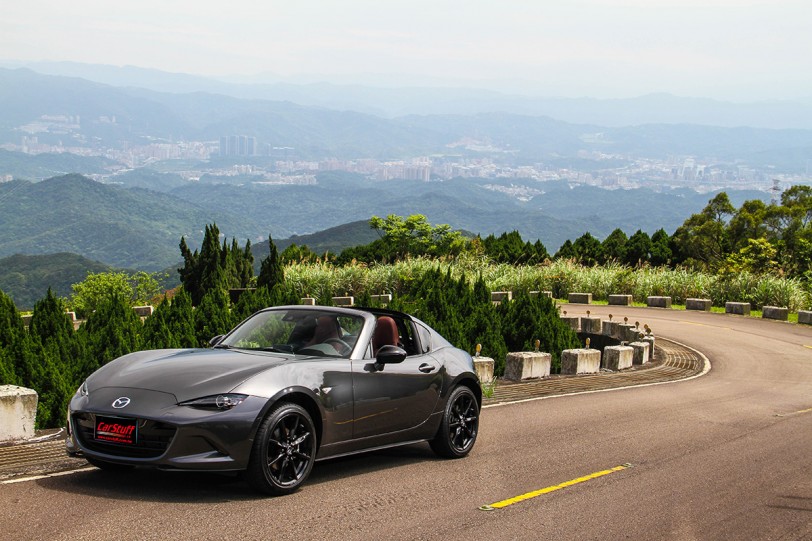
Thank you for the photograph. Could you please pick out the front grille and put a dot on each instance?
(153, 438)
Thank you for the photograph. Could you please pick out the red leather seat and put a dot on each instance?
(386, 334)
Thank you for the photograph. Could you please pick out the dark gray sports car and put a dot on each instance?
(288, 386)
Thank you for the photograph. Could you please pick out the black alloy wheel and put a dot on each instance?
(460, 425)
(284, 450)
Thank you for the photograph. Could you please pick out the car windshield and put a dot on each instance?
(302, 332)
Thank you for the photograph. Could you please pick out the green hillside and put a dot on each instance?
(120, 227)
(26, 278)
(42, 166)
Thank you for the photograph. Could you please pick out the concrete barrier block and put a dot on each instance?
(308, 301)
(143, 311)
(703, 305)
(641, 352)
(501, 296)
(650, 341)
(524, 365)
(620, 300)
(18, 413)
(542, 293)
(618, 357)
(382, 299)
(591, 325)
(580, 298)
(580, 361)
(343, 301)
(574, 322)
(805, 317)
(658, 302)
(484, 369)
(611, 329)
(738, 308)
(628, 333)
(775, 312)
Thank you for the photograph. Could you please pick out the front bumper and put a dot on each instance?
(169, 436)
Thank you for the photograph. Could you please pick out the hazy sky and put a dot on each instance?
(733, 49)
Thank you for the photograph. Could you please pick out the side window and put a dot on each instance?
(424, 337)
(407, 336)
(393, 330)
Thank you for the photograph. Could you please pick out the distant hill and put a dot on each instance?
(140, 229)
(119, 117)
(120, 227)
(391, 101)
(42, 166)
(26, 278)
(333, 240)
(561, 212)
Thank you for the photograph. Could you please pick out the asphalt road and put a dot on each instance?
(724, 456)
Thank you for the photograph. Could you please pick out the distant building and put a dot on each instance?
(237, 145)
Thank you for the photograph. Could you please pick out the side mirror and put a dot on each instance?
(390, 355)
(216, 340)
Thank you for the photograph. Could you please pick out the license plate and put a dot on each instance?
(116, 430)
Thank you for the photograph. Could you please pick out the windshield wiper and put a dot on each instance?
(279, 349)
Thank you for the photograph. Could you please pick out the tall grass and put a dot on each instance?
(560, 277)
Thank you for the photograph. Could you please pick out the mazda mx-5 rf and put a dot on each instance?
(287, 387)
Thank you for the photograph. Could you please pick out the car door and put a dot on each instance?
(398, 396)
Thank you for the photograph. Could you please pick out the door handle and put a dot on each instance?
(426, 368)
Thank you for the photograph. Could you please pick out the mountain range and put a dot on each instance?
(141, 228)
(119, 117)
(391, 102)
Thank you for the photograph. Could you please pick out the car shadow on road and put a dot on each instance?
(148, 484)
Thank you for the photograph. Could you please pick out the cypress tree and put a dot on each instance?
(251, 302)
(111, 331)
(212, 316)
(271, 272)
(156, 333)
(526, 319)
(181, 321)
(7, 374)
(12, 331)
(50, 323)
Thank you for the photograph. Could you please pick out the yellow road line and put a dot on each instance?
(810, 347)
(703, 325)
(807, 410)
(547, 490)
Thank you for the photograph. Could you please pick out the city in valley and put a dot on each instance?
(250, 160)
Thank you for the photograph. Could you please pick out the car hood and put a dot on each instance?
(185, 373)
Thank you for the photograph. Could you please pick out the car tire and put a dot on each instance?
(284, 450)
(460, 425)
(109, 466)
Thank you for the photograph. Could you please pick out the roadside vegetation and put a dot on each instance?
(758, 253)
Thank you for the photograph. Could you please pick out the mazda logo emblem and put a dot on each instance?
(121, 402)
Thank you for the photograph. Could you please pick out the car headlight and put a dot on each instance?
(82, 390)
(218, 402)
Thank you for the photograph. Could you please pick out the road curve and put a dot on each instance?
(724, 456)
